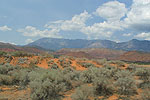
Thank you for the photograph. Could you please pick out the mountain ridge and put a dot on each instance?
(58, 43)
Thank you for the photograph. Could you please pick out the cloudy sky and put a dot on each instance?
(24, 21)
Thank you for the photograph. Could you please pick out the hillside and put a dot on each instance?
(92, 53)
(101, 53)
(135, 56)
(68, 78)
(12, 48)
(57, 44)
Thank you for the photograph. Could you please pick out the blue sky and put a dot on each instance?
(24, 21)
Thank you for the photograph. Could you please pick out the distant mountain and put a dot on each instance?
(57, 44)
(135, 56)
(92, 53)
(7, 47)
(100, 53)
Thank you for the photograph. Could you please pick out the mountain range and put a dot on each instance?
(133, 50)
(58, 43)
(7, 47)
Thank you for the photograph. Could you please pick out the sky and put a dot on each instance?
(24, 21)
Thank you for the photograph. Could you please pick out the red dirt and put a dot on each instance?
(13, 93)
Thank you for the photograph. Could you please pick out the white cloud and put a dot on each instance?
(127, 34)
(29, 41)
(33, 32)
(76, 23)
(143, 35)
(9, 42)
(5, 28)
(97, 30)
(138, 17)
(102, 30)
(112, 10)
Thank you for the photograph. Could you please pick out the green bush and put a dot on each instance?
(64, 63)
(4, 69)
(146, 95)
(83, 92)
(101, 78)
(103, 86)
(132, 67)
(86, 65)
(6, 80)
(122, 74)
(118, 63)
(54, 66)
(144, 74)
(22, 60)
(20, 77)
(101, 61)
(21, 54)
(126, 86)
(88, 76)
(71, 74)
(49, 85)
(2, 53)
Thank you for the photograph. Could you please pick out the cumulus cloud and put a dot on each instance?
(76, 23)
(9, 42)
(127, 34)
(33, 32)
(102, 30)
(118, 18)
(143, 35)
(112, 10)
(138, 17)
(5, 28)
(29, 41)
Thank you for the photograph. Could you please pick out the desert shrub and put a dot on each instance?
(48, 55)
(22, 60)
(20, 77)
(118, 63)
(51, 61)
(56, 56)
(49, 85)
(32, 64)
(126, 86)
(83, 92)
(71, 74)
(88, 76)
(144, 74)
(146, 95)
(86, 65)
(144, 85)
(132, 67)
(8, 59)
(122, 74)
(125, 98)
(21, 54)
(101, 61)
(54, 66)
(101, 78)
(112, 70)
(103, 86)
(64, 63)
(4, 69)
(6, 80)
(2, 53)
(35, 61)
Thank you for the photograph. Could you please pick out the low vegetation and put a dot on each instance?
(53, 83)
